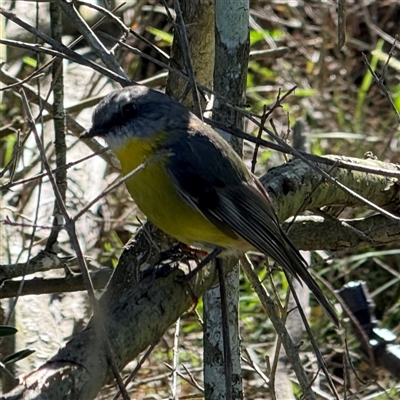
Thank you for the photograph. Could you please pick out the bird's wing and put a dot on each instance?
(213, 179)
(222, 189)
(248, 212)
(201, 165)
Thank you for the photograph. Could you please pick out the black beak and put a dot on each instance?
(89, 134)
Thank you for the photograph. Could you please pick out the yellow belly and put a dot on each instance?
(154, 194)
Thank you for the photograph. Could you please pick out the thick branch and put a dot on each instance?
(319, 233)
(295, 187)
(136, 314)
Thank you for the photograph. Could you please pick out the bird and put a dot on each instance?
(190, 183)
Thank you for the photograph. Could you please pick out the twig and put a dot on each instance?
(259, 134)
(314, 343)
(8, 222)
(345, 225)
(60, 145)
(387, 285)
(9, 185)
(336, 182)
(225, 331)
(175, 361)
(104, 11)
(38, 72)
(268, 54)
(181, 29)
(285, 148)
(192, 380)
(72, 283)
(72, 125)
(62, 48)
(379, 80)
(108, 59)
(280, 328)
(146, 163)
(137, 368)
(69, 55)
(70, 226)
(255, 366)
(150, 44)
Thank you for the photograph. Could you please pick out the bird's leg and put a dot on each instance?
(201, 265)
(172, 254)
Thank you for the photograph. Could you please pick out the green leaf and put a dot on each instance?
(6, 330)
(165, 36)
(9, 148)
(19, 355)
(31, 62)
(256, 36)
(384, 57)
(299, 92)
(396, 97)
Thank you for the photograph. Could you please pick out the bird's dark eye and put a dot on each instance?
(129, 111)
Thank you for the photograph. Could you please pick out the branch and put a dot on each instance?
(137, 311)
(44, 261)
(136, 314)
(295, 187)
(319, 233)
(71, 283)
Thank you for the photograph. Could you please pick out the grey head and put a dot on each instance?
(136, 111)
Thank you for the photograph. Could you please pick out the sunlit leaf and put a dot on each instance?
(31, 62)
(161, 35)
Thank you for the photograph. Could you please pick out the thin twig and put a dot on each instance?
(181, 29)
(9, 185)
(345, 225)
(314, 343)
(335, 181)
(255, 366)
(70, 226)
(104, 11)
(270, 307)
(145, 356)
(69, 55)
(150, 44)
(285, 148)
(190, 381)
(79, 23)
(225, 331)
(175, 361)
(143, 165)
(72, 124)
(39, 71)
(259, 134)
(60, 145)
(380, 80)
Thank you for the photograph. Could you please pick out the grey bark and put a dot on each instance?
(231, 58)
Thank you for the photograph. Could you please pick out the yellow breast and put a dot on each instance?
(154, 193)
